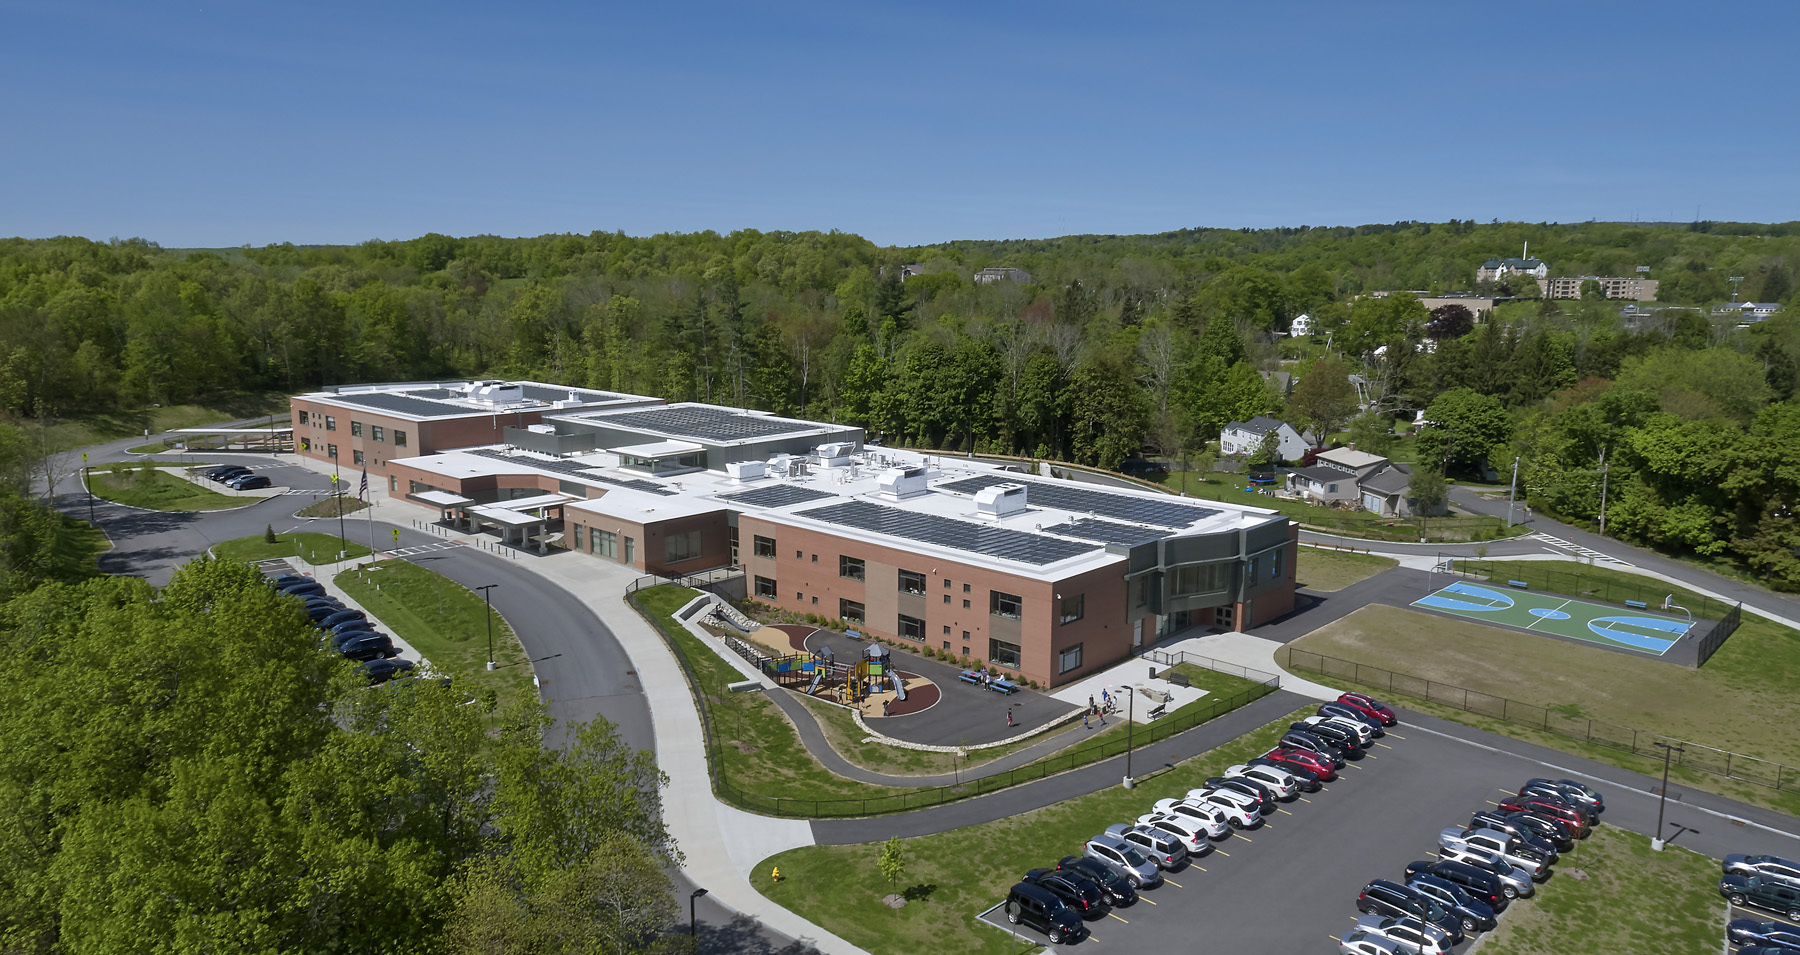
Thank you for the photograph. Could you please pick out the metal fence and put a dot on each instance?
(936, 795)
(1715, 638)
(1166, 658)
(1574, 584)
(1706, 759)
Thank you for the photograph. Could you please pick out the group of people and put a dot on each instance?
(1099, 710)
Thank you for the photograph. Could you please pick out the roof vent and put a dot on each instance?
(835, 454)
(742, 471)
(496, 393)
(898, 484)
(1000, 500)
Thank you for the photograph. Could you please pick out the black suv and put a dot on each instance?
(1117, 888)
(1480, 883)
(1762, 893)
(1476, 915)
(227, 472)
(1525, 822)
(1044, 910)
(1392, 899)
(1081, 893)
(1343, 739)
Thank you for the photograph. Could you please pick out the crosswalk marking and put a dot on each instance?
(424, 548)
(1587, 552)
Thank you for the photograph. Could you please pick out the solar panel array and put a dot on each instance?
(550, 393)
(707, 424)
(404, 404)
(1001, 542)
(1086, 501)
(576, 469)
(1106, 532)
(779, 495)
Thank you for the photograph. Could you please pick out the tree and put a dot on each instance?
(1428, 490)
(1462, 428)
(1370, 432)
(1323, 398)
(1450, 321)
(1267, 453)
(892, 862)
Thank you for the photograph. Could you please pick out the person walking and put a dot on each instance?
(1009, 721)
(884, 707)
(1090, 701)
(1084, 720)
(1106, 699)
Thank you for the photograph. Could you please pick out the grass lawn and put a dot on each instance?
(333, 506)
(1633, 900)
(1328, 570)
(67, 433)
(953, 876)
(255, 548)
(446, 622)
(159, 491)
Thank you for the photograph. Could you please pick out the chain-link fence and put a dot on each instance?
(1648, 592)
(1706, 759)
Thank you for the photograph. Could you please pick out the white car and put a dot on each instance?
(1499, 843)
(1362, 730)
(1283, 785)
(1211, 817)
(1241, 811)
(1514, 882)
(1190, 832)
(1358, 942)
(1413, 935)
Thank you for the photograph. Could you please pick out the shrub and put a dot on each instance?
(269, 534)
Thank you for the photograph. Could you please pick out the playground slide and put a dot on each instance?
(818, 674)
(899, 686)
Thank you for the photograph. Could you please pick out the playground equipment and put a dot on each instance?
(877, 664)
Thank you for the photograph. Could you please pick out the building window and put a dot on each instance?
(965, 605)
(1196, 580)
(355, 428)
(850, 568)
(850, 611)
(765, 587)
(1071, 609)
(399, 438)
(578, 537)
(331, 451)
(607, 544)
(631, 552)
(815, 601)
(302, 417)
(946, 600)
(946, 645)
(946, 633)
(1275, 565)
(378, 432)
(1069, 659)
(1252, 574)
(946, 583)
(815, 558)
(912, 628)
(1140, 591)
(306, 444)
(965, 640)
(393, 484)
(965, 588)
(1004, 605)
(799, 554)
(680, 547)
(762, 546)
(417, 487)
(356, 456)
(912, 582)
(1003, 654)
(330, 423)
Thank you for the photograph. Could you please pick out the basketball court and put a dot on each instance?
(1643, 630)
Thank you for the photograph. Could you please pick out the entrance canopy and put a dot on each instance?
(441, 499)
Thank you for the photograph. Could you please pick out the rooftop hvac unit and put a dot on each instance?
(541, 428)
(742, 471)
(1000, 500)
(496, 392)
(835, 454)
(897, 484)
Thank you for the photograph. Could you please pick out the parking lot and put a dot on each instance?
(1291, 885)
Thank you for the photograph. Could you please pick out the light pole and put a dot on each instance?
(694, 924)
(1657, 841)
(487, 591)
(1512, 492)
(1130, 705)
(1603, 475)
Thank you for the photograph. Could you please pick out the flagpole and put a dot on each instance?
(371, 508)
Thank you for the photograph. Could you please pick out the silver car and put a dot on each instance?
(1502, 844)
(1514, 882)
(1163, 848)
(1283, 785)
(1124, 858)
(1414, 936)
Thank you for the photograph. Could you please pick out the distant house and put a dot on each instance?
(1387, 490)
(1322, 485)
(1341, 474)
(1357, 463)
(1494, 270)
(1748, 312)
(989, 276)
(1302, 325)
(1282, 383)
(1628, 288)
(1244, 437)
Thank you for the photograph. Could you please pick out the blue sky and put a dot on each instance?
(214, 123)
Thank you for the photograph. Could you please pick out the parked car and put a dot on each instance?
(226, 472)
(1480, 883)
(1205, 815)
(1240, 810)
(1195, 835)
(1752, 932)
(1116, 852)
(1358, 942)
(1118, 888)
(341, 617)
(1285, 785)
(1770, 867)
(283, 580)
(1298, 739)
(1163, 848)
(381, 671)
(1767, 950)
(1322, 768)
(341, 637)
(1307, 778)
(1370, 706)
(1579, 792)
(1573, 819)
(250, 482)
(1475, 915)
(320, 608)
(1265, 799)
(1351, 713)
(1514, 881)
(1343, 740)
(1358, 730)
(1382, 897)
(1414, 936)
(1512, 827)
(308, 588)
(1549, 830)
(375, 646)
(1044, 910)
(1764, 893)
(1545, 789)
(1497, 843)
(1082, 894)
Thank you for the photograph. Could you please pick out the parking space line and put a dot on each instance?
(1384, 745)
(1284, 812)
(1092, 937)
(1396, 735)
(1151, 901)
(1223, 853)
(1305, 800)
(1352, 765)
(1175, 883)
(1115, 915)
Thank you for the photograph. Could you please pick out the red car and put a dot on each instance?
(1305, 759)
(1572, 820)
(1370, 707)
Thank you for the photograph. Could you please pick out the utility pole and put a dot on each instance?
(1602, 492)
(1512, 492)
(1130, 705)
(1657, 841)
(487, 591)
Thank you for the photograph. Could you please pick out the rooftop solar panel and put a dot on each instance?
(1106, 532)
(779, 495)
(706, 424)
(404, 404)
(576, 469)
(1083, 500)
(550, 393)
(1001, 542)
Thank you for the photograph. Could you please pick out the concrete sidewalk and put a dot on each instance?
(1250, 651)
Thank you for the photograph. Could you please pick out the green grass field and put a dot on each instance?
(446, 622)
(1324, 571)
(333, 506)
(316, 548)
(159, 491)
(1643, 630)
(953, 876)
(79, 432)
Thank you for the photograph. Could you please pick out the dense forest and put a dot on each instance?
(1114, 345)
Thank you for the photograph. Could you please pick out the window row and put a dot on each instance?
(376, 432)
(1000, 604)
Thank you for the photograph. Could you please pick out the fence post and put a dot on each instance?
(1465, 705)
(1634, 741)
(1590, 733)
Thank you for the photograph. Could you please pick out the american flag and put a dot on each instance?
(363, 490)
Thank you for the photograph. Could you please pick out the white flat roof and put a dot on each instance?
(658, 449)
(1349, 458)
(501, 515)
(528, 503)
(442, 498)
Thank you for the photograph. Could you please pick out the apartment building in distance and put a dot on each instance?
(367, 426)
(1631, 289)
(1050, 579)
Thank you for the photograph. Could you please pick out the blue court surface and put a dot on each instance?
(1643, 630)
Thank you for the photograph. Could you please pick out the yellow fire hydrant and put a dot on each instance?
(775, 874)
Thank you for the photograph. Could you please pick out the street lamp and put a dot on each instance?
(1657, 841)
(693, 925)
(487, 592)
(1130, 704)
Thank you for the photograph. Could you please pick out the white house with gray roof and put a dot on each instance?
(1244, 437)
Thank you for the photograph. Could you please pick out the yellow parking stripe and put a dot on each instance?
(1506, 791)
(1395, 735)
(1383, 745)
(1117, 917)
(1352, 765)
(1142, 899)
(1306, 800)
(1175, 883)
(1242, 836)
(1223, 853)
(1284, 812)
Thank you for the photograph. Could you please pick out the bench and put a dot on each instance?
(745, 686)
(1639, 604)
(1522, 585)
(1004, 686)
(970, 676)
(852, 634)
(1157, 711)
(1178, 679)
